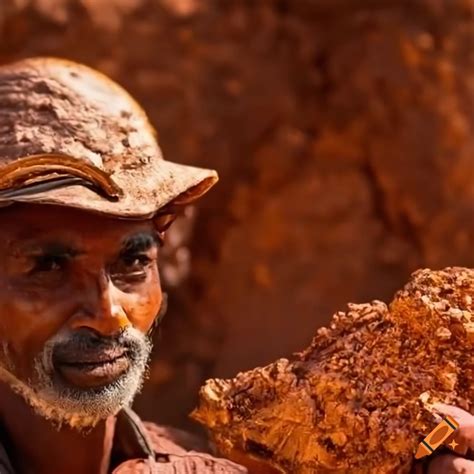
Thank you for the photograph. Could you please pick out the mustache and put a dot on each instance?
(85, 343)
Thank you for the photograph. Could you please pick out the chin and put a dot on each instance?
(78, 408)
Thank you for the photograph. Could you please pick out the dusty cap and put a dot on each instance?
(70, 136)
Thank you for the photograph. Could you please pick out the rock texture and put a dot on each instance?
(343, 134)
(357, 400)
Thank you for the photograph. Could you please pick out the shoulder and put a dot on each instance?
(170, 440)
(197, 463)
(162, 450)
(179, 451)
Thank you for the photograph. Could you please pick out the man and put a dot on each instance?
(85, 198)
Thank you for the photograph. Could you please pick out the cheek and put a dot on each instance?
(145, 305)
(27, 320)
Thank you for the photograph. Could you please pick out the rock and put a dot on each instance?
(358, 399)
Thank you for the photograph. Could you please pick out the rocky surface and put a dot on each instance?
(357, 400)
(343, 134)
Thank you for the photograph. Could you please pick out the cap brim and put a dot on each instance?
(146, 191)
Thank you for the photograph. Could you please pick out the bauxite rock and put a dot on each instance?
(358, 399)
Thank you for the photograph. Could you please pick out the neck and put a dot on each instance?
(35, 445)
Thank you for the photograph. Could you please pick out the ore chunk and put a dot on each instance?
(358, 399)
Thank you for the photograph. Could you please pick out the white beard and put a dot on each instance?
(79, 409)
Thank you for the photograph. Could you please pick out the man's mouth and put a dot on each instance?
(91, 369)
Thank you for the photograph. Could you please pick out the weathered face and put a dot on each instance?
(78, 293)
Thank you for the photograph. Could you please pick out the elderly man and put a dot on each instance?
(85, 198)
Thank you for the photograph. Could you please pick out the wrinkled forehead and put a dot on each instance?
(23, 226)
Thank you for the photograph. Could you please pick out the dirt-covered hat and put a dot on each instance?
(70, 136)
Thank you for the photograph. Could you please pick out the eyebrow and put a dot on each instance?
(140, 242)
(51, 248)
(136, 243)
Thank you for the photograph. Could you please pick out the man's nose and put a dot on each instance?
(100, 308)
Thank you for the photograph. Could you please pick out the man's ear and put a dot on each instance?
(163, 221)
(165, 216)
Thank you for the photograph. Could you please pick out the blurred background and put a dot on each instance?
(342, 131)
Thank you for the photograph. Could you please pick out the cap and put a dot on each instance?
(72, 137)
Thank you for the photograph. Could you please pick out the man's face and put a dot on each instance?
(78, 293)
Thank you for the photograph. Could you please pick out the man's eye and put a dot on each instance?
(133, 266)
(136, 261)
(49, 263)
